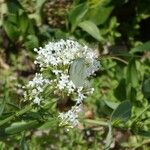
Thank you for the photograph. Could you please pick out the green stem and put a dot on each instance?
(19, 113)
(119, 59)
(97, 122)
(116, 58)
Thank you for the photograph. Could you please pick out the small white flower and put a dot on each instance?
(34, 91)
(56, 72)
(71, 116)
(37, 100)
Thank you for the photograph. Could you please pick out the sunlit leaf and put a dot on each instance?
(99, 14)
(112, 105)
(20, 126)
(132, 74)
(76, 14)
(91, 29)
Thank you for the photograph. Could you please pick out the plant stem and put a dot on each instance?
(119, 59)
(19, 113)
(116, 58)
(98, 122)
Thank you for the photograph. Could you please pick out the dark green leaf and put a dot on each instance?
(103, 108)
(11, 30)
(23, 143)
(13, 6)
(122, 112)
(120, 91)
(13, 18)
(144, 133)
(78, 72)
(91, 29)
(132, 74)
(2, 133)
(131, 93)
(146, 88)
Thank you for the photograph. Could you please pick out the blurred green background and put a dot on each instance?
(118, 29)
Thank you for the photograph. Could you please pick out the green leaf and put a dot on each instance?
(31, 42)
(91, 29)
(132, 74)
(2, 106)
(23, 23)
(53, 122)
(120, 91)
(77, 72)
(2, 133)
(109, 137)
(145, 47)
(76, 15)
(144, 133)
(23, 143)
(146, 88)
(20, 126)
(13, 6)
(99, 14)
(11, 30)
(110, 104)
(103, 108)
(122, 112)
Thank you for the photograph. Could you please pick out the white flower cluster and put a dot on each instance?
(64, 52)
(71, 116)
(57, 57)
(65, 83)
(37, 86)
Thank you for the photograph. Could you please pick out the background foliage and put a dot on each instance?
(117, 114)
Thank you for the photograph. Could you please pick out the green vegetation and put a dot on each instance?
(117, 115)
